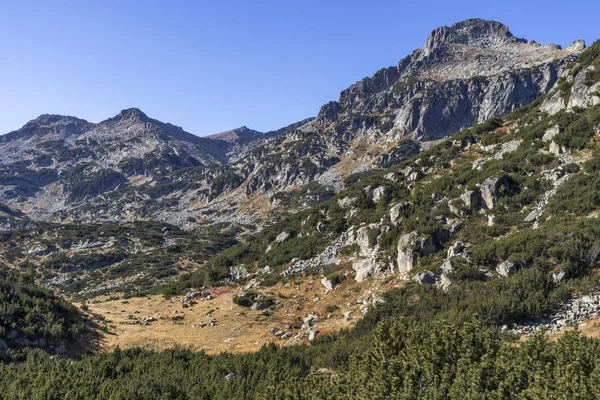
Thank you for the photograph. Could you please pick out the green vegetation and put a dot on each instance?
(33, 311)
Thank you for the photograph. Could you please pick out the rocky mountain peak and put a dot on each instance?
(234, 135)
(134, 115)
(471, 32)
(60, 125)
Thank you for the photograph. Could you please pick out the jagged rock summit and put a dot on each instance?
(468, 72)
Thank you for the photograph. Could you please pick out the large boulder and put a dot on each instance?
(282, 237)
(490, 191)
(426, 278)
(410, 245)
(506, 269)
(367, 267)
(395, 214)
(470, 198)
(261, 304)
(379, 193)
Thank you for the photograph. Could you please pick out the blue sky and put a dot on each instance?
(209, 66)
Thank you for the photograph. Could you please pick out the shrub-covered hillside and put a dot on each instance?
(31, 315)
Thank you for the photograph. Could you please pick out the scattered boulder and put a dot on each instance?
(320, 226)
(555, 149)
(261, 304)
(379, 193)
(532, 216)
(309, 320)
(191, 295)
(3, 345)
(395, 214)
(426, 278)
(490, 191)
(470, 198)
(559, 276)
(409, 246)
(415, 176)
(282, 237)
(327, 283)
(444, 282)
(456, 249)
(506, 268)
(551, 133)
(312, 335)
(446, 267)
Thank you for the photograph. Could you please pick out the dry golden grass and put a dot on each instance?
(238, 329)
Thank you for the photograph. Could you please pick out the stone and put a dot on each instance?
(3, 345)
(470, 198)
(321, 227)
(395, 214)
(456, 249)
(392, 176)
(409, 246)
(444, 283)
(532, 216)
(191, 295)
(379, 193)
(261, 304)
(42, 342)
(426, 278)
(559, 276)
(446, 267)
(490, 191)
(506, 268)
(551, 133)
(346, 315)
(415, 176)
(309, 321)
(282, 237)
(312, 335)
(554, 148)
(327, 283)
(490, 221)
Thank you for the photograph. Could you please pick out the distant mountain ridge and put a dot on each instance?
(130, 166)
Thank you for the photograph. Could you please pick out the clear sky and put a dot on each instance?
(209, 66)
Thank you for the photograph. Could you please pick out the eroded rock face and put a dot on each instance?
(476, 68)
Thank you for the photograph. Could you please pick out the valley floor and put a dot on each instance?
(236, 329)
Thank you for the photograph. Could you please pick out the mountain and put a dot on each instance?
(443, 274)
(234, 135)
(132, 168)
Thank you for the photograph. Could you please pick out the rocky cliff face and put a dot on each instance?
(465, 73)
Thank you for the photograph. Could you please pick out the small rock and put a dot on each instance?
(327, 283)
(282, 237)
